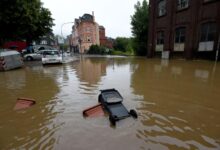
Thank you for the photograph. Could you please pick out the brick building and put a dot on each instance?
(186, 28)
(85, 33)
(104, 41)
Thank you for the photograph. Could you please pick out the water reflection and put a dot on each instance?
(30, 128)
(91, 70)
(176, 109)
(177, 102)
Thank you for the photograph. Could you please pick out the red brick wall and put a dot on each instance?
(192, 17)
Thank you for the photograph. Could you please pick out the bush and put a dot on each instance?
(95, 49)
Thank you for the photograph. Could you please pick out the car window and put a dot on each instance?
(41, 48)
(39, 52)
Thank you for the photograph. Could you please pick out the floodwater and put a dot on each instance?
(177, 101)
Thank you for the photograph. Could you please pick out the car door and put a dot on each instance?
(38, 55)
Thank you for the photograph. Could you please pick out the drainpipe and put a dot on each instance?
(218, 47)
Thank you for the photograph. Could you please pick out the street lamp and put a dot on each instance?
(62, 34)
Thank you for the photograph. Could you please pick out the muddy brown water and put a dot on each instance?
(178, 103)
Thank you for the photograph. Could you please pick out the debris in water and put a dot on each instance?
(23, 103)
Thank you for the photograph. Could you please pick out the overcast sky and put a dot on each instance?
(114, 15)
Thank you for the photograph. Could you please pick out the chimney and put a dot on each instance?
(93, 16)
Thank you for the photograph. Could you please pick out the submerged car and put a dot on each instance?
(51, 57)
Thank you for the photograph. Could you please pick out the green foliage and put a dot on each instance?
(124, 45)
(115, 52)
(121, 43)
(24, 19)
(139, 22)
(64, 47)
(95, 49)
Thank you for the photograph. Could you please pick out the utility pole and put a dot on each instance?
(62, 34)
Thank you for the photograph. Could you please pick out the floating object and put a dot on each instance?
(95, 111)
(23, 103)
(111, 100)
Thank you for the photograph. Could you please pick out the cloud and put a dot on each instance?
(114, 15)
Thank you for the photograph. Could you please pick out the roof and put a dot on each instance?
(86, 17)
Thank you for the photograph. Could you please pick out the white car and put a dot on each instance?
(51, 57)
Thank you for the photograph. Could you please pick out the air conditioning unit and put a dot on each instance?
(165, 55)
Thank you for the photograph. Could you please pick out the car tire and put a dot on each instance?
(133, 113)
(112, 120)
(29, 58)
(99, 99)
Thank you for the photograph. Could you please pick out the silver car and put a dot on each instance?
(33, 56)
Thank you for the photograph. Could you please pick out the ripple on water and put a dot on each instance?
(162, 130)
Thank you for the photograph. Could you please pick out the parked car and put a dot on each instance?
(33, 56)
(37, 48)
(51, 57)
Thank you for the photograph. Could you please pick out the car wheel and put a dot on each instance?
(112, 119)
(133, 113)
(99, 99)
(29, 58)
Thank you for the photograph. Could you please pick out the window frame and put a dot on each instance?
(162, 4)
(208, 31)
(180, 35)
(88, 39)
(180, 4)
(160, 38)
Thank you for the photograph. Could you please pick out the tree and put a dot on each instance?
(139, 22)
(96, 49)
(123, 44)
(23, 19)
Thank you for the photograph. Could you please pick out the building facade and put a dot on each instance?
(48, 39)
(104, 41)
(85, 33)
(185, 28)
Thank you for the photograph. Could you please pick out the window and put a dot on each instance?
(181, 4)
(44, 42)
(208, 31)
(180, 35)
(88, 39)
(160, 37)
(162, 7)
(160, 41)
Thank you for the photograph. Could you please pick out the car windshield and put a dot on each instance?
(50, 53)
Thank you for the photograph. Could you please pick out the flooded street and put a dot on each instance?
(177, 101)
